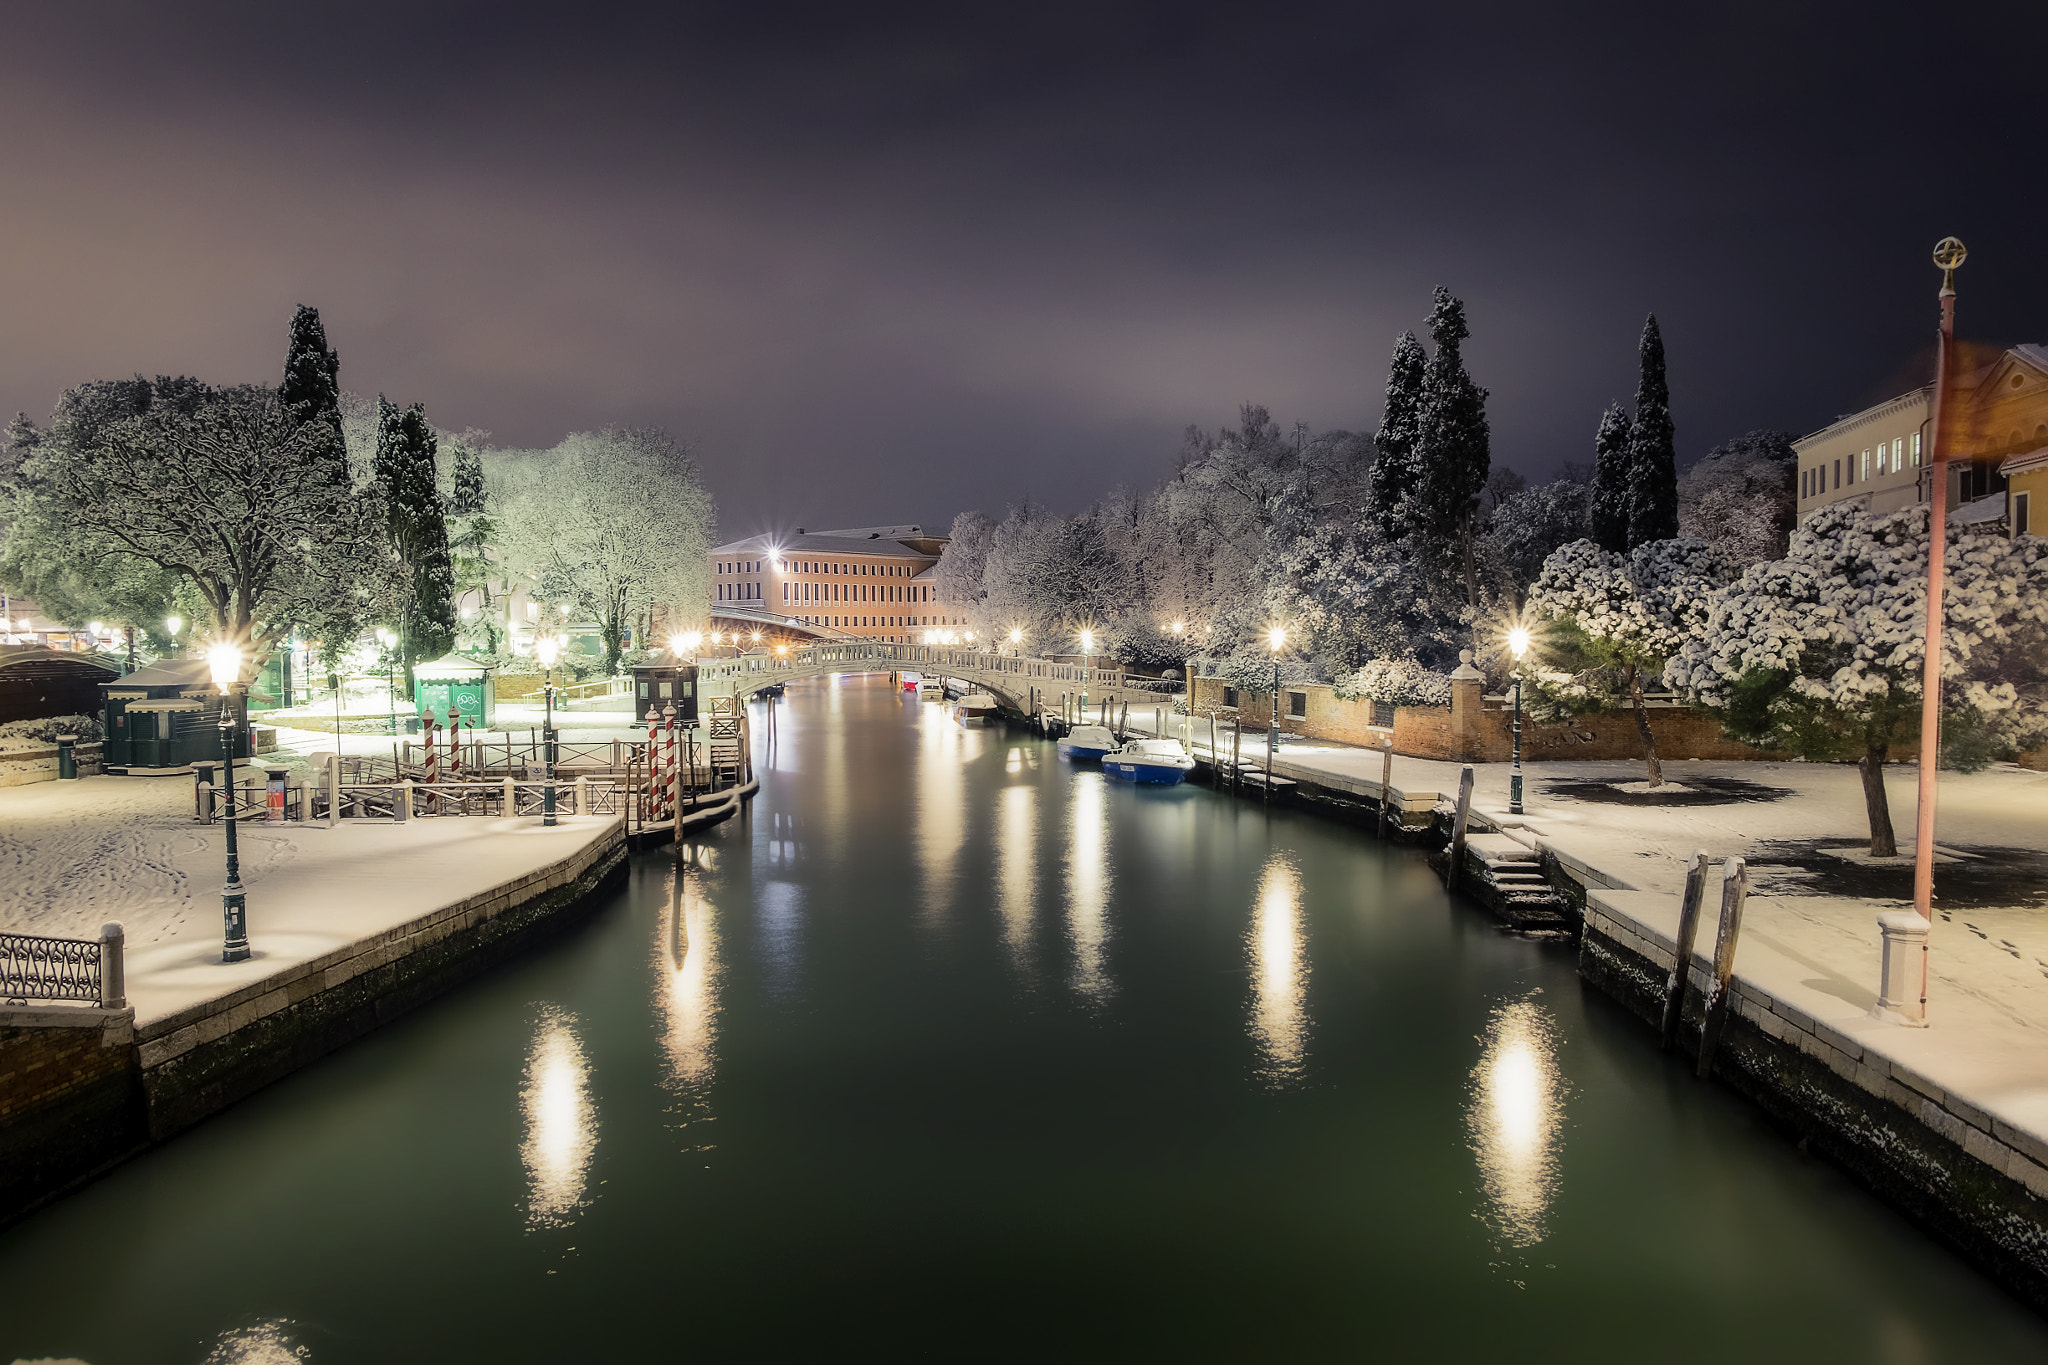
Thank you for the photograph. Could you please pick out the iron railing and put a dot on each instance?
(36, 968)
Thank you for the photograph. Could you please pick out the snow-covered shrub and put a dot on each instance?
(1254, 672)
(1396, 682)
(47, 728)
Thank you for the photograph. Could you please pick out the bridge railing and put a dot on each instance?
(752, 671)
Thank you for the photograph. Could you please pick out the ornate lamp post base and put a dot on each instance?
(234, 908)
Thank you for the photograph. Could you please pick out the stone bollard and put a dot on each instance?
(113, 966)
(67, 761)
(202, 791)
(401, 802)
(583, 796)
(511, 797)
(1902, 984)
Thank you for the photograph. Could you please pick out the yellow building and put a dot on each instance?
(1878, 457)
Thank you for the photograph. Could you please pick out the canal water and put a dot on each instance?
(950, 1049)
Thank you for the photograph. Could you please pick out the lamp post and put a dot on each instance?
(390, 641)
(1948, 254)
(547, 648)
(1087, 646)
(1276, 640)
(226, 663)
(1518, 645)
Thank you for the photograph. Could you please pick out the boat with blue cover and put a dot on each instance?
(1087, 743)
(1161, 762)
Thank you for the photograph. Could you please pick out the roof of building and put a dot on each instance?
(40, 661)
(807, 543)
(2024, 461)
(1849, 421)
(170, 673)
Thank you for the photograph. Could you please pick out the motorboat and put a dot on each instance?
(1161, 762)
(931, 689)
(1087, 743)
(976, 708)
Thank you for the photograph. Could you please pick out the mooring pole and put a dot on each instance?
(1457, 859)
(1386, 784)
(1688, 931)
(1734, 890)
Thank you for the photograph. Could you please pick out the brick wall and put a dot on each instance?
(1481, 730)
(70, 1099)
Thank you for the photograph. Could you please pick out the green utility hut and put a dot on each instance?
(667, 684)
(456, 682)
(165, 718)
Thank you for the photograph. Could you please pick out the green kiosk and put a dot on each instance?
(459, 683)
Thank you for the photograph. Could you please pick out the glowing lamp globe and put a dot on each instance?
(174, 624)
(547, 649)
(1518, 641)
(1276, 639)
(1016, 637)
(225, 662)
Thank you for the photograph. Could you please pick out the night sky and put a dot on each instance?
(884, 263)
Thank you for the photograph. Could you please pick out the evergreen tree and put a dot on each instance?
(1652, 457)
(1393, 470)
(1452, 459)
(469, 496)
(418, 528)
(1610, 480)
(311, 384)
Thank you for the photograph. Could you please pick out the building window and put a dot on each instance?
(1383, 714)
(1916, 450)
(1838, 473)
(2022, 514)
(1230, 696)
(1297, 704)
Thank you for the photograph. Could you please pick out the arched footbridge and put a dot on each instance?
(1023, 684)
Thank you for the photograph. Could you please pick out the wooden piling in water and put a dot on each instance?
(1457, 859)
(1386, 785)
(1734, 890)
(1688, 930)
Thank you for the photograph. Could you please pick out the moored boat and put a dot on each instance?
(1087, 743)
(1160, 762)
(976, 708)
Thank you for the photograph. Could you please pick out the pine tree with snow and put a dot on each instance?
(1619, 619)
(311, 384)
(1611, 480)
(468, 497)
(1452, 460)
(417, 525)
(1394, 475)
(1652, 455)
(1821, 652)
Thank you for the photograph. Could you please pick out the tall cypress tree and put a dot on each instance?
(312, 383)
(418, 527)
(1652, 456)
(1393, 467)
(469, 496)
(1610, 480)
(1453, 456)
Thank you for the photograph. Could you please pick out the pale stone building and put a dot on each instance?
(872, 581)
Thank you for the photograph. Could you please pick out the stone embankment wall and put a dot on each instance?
(19, 767)
(81, 1089)
(1479, 729)
(1973, 1182)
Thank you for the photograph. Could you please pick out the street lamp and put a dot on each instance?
(226, 662)
(1276, 640)
(1017, 641)
(1087, 647)
(390, 642)
(1518, 645)
(547, 648)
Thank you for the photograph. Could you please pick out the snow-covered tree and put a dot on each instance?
(311, 384)
(417, 527)
(222, 499)
(473, 535)
(616, 521)
(1396, 682)
(1652, 456)
(1618, 618)
(1610, 500)
(469, 496)
(1525, 527)
(1394, 474)
(1452, 458)
(1821, 652)
(1742, 497)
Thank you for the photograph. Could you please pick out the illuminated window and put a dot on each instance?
(1916, 450)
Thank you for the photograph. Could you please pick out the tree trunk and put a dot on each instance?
(1883, 844)
(1635, 696)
